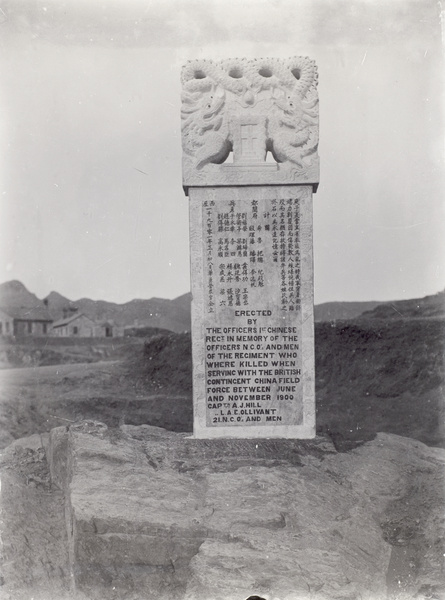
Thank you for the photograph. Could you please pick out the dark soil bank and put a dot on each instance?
(381, 376)
(371, 375)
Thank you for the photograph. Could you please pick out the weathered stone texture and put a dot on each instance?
(286, 519)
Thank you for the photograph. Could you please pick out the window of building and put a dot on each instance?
(29, 327)
(75, 330)
(7, 326)
(45, 328)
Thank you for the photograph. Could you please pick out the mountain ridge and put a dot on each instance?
(333, 311)
(175, 314)
(432, 306)
(14, 294)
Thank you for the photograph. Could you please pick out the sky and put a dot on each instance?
(90, 144)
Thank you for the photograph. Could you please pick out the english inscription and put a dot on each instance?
(252, 312)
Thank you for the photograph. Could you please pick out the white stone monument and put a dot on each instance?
(250, 166)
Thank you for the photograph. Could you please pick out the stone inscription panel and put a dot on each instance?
(252, 311)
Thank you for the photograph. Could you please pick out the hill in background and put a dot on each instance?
(381, 371)
(174, 315)
(155, 312)
(340, 311)
(421, 308)
(15, 295)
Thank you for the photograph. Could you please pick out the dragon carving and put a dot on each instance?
(292, 129)
(205, 133)
(279, 94)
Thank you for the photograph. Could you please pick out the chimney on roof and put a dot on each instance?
(69, 311)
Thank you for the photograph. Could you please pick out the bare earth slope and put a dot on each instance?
(381, 375)
(371, 375)
(128, 511)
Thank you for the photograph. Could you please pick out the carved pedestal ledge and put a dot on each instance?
(250, 165)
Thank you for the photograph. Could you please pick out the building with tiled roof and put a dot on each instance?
(77, 325)
(24, 321)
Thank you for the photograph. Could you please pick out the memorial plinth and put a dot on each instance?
(250, 166)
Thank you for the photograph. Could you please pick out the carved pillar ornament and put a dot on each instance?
(250, 122)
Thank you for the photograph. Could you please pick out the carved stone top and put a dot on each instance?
(250, 122)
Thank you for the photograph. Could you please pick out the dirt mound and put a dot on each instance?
(166, 362)
(370, 376)
(381, 376)
(381, 358)
(145, 332)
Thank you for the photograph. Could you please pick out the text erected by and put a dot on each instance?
(252, 306)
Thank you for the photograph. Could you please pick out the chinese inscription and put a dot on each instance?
(252, 293)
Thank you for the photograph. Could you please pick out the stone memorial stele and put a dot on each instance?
(250, 166)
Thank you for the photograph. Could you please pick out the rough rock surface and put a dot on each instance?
(154, 514)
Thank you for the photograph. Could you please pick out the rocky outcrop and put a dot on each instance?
(147, 509)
